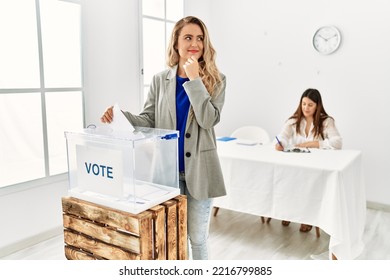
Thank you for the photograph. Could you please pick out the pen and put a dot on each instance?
(277, 139)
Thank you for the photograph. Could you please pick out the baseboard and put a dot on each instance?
(378, 206)
(30, 241)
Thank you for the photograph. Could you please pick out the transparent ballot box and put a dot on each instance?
(129, 171)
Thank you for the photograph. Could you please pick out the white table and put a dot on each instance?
(324, 188)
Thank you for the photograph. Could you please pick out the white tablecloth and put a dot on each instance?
(324, 188)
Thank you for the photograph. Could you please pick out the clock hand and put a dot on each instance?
(319, 35)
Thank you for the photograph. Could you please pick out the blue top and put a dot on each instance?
(182, 108)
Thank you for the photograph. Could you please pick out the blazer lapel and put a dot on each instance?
(170, 93)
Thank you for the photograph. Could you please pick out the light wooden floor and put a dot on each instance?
(243, 237)
(238, 236)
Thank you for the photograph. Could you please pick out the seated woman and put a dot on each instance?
(309, 127)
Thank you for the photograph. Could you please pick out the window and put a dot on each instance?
(40, 86)
(158, 19)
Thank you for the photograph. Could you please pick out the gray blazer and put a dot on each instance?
(202, 168)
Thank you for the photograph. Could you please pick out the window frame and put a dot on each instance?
(42, 90)
(146, 84)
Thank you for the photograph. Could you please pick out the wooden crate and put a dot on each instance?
(93, 231)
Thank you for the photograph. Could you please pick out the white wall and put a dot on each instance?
(111, 56)
(30, 215)
(264, 47)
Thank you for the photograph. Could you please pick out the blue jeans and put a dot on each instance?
(198, 222)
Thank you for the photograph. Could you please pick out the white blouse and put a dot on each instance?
(289, 137)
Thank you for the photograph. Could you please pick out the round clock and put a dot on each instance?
(327, 39)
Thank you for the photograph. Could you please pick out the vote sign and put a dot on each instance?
(100, 170)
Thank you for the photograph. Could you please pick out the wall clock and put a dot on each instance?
(327, 39)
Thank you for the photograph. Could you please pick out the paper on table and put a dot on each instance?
(247, 142)
(296, 150)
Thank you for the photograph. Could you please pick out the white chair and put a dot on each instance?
(252, 133)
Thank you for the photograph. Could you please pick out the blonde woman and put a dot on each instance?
(189, 97)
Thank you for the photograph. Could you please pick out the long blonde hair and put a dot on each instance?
(208, 69)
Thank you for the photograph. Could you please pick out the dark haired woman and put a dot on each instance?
(309, 127)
